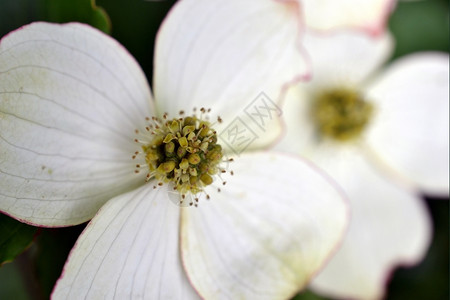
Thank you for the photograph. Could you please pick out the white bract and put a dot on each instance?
(367, 15)
(72, 103)
(384, 137)
(370, 16)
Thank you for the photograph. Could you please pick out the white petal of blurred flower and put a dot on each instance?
(383, 135)
(369, 16)
(366, 15)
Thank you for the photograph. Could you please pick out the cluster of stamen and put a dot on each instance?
(341, 114)
(182, 152)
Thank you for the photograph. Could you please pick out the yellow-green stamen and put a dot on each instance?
(183, 152)
(341, 114)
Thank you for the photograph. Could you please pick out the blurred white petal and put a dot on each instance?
(410, 132)
(367, 15)
(389, 226)
(345, 58)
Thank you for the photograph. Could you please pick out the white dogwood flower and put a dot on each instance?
(383, 135)
(82, 137)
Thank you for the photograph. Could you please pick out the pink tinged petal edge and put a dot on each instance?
(241, 244)
(223, 54)
(69, 152)
(410, 134)
(130, 249)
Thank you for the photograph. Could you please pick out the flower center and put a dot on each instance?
(182, 152)
(341, 114)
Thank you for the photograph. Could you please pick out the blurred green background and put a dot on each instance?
(417, 26)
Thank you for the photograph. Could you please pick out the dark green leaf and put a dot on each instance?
(307, 295)
(420, 26)
(16, 13)
(135, 24)
(12, 286)
(84, 11)
(53, 247)
(15, 237)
